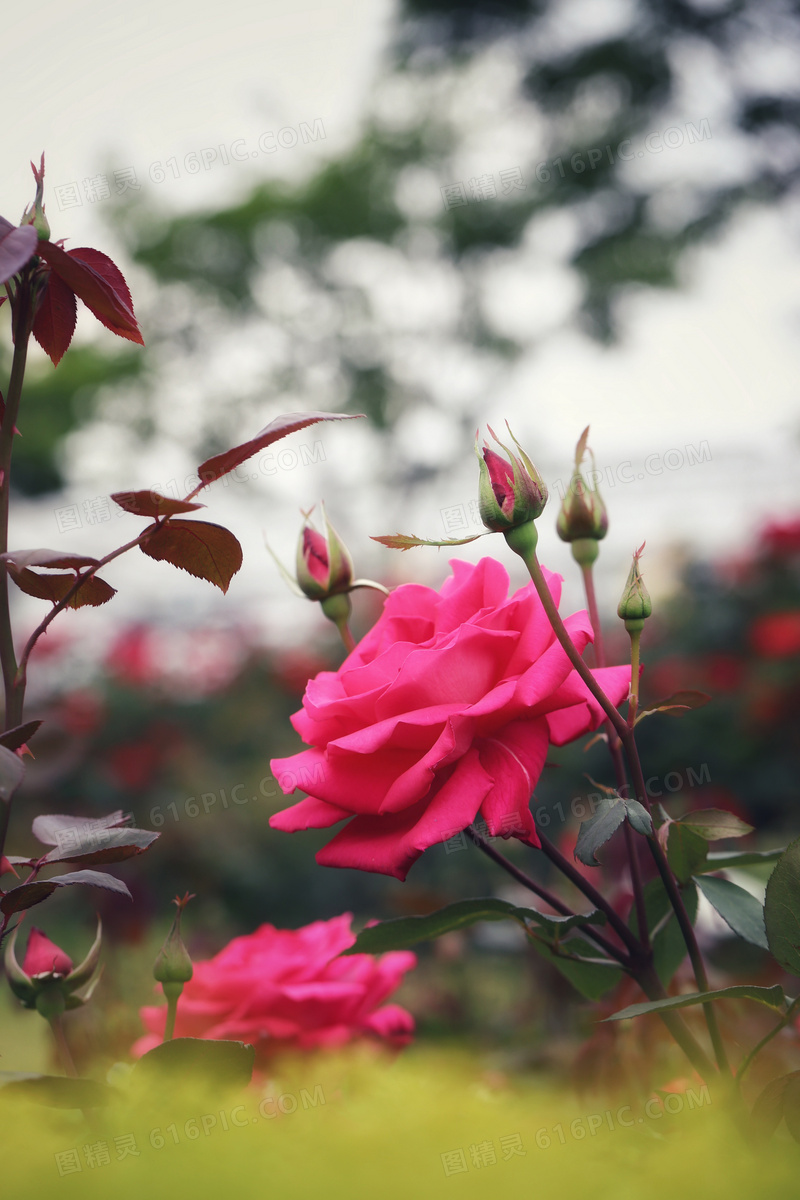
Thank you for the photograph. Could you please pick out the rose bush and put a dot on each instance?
(281, 989)
(445, 709)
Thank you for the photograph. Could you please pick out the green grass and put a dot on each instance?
(362, 1125)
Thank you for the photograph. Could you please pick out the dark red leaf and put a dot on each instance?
(94, 278)
(49, 827)
(17, 245)
(97, 846)
(12, 739)
(47, 558)
(28, 894)
(207, 551)
(150, 504)
(93, 591)
(221, 464)
(54, 323)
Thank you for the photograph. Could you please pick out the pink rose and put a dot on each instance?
(444, 710)
(289, 989)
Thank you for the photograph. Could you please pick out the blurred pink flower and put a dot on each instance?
(280, 989)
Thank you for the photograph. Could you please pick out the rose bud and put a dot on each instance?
(173, 966)
(582, 519)
(44, 957)
(512, 493)
(635, 605)
(34, 215)
(324, 566)
(47, 980)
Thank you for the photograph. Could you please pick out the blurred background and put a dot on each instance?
(439, 215)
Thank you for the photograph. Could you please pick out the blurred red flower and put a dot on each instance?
(776, 635)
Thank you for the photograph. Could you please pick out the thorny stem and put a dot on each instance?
(22, 317)
(628, 739)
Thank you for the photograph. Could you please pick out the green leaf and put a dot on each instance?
(198, 1061)
(782, 909)
(639, 818)
(719, 860)
(772, 997)
(591, 979)
(714, 824)
(741, 911)
(407, 541)
(596, 831)
(402, 932)
(686, 850)
(55, 1091)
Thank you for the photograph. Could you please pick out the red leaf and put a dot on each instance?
(55, 587)
(99, 283)
(17, 245)
(151, 504)
(54, 323)
(207, 551)
(47, 558)
(221, 464)
(14, 739)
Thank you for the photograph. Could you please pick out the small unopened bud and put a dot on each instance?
(34, 215)
(635, 605)
(582, 519)
(173, 964)
(511, 492)
(47, 979)
(324, 566)
(44, 957)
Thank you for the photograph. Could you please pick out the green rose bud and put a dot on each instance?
(635, 605)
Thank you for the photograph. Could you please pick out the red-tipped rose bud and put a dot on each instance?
(324, 566)
(44, 957)
(635, 605)
(34, 215)
(512, 492)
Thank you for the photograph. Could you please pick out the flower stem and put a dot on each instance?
(64, 1053)
(615, 750)
(527, 551)
(633, 704)
(784, 1021)
(549, 898)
